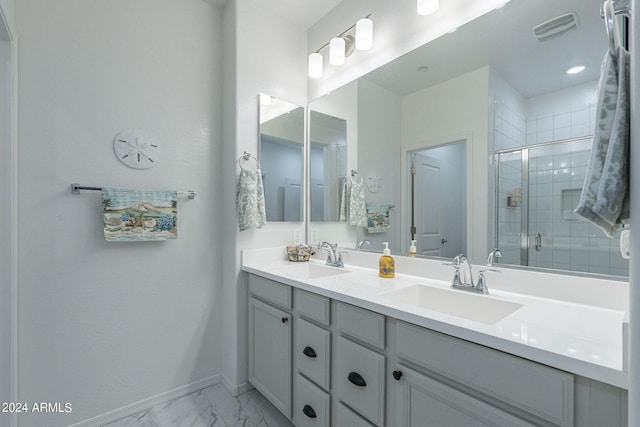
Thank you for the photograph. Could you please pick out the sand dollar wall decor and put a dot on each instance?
(137, 148)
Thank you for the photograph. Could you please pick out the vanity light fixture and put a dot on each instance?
(364, 34)
(337, 51)
(342, 46)
(427, 7)
(315, 65)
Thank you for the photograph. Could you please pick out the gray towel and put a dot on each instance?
(605, 194)
(250, 200)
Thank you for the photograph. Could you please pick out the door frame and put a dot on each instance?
(405, 200)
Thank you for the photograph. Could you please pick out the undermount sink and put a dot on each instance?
(479, 308)
(312, 271)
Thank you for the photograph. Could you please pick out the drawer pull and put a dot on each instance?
(356, 379)
(397, 375)
(309, 352)
(284, 319)
(309, 412)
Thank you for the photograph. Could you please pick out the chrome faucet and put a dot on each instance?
(334, 258)
(494, 255)
(463, 278)
(362, 243)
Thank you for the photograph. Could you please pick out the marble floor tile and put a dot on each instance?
(210, 407)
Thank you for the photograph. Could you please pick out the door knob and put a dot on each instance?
(444, 241)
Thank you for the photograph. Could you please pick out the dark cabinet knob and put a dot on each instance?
(309, 352)
(397, 375)
(356, 379)
(285, 319)
(308, 411)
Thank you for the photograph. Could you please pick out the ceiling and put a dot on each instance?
(302, 12)
(503, 39)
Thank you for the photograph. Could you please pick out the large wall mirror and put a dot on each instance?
(282, 158)
(500, 132)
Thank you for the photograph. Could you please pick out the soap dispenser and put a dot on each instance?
(387, 264)
(412, 249)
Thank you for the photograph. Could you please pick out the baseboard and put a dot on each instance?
(125, 411)
(236, 389)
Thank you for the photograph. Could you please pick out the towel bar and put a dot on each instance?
(75, 189)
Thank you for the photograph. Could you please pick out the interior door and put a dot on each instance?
(292, 201)
(429, 206)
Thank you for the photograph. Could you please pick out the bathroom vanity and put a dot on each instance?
(342, 347)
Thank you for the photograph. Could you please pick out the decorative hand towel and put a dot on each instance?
(605, 194)
(344, 201)
(357, 207)
(139, 215)
(250, 200)
(377, 218)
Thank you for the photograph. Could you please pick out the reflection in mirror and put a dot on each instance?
(437, 207)
(328, 164)
(281, 158)
(527, 147)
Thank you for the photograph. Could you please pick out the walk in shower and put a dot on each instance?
(538, 187)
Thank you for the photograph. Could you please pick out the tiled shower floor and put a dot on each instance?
(210, 407)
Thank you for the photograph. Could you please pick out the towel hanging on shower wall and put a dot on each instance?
(605, 194)
(250, 196)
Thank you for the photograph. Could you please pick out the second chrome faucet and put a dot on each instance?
(463, 277)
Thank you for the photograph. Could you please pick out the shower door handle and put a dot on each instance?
(538, 242)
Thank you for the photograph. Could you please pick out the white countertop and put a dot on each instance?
(584, 338)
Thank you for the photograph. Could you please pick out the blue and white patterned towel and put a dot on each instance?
(139, 215)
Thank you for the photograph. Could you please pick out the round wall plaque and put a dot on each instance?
(137, 149)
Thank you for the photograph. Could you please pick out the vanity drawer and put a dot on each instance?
(361, 324)
(313, 352)
(312, 405)
(360, 379)
(270, 291)
(537, 389)
(312, 306)
(346, 417)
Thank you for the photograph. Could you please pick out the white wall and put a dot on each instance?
(634, 279)
(7, 206)
(101, 324)
(449, 112)
(263, 53)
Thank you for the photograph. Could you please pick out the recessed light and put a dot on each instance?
(423, 69)
(575, 70)
(453, 30)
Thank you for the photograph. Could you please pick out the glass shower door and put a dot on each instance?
(509, 198)
(538, 187)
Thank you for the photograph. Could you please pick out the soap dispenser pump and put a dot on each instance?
(412, 249)
(387, 264)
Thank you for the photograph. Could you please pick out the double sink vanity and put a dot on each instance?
(339, 347)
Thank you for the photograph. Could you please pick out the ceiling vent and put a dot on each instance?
(555, 26)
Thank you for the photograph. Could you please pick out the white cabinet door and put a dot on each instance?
(422, 401)
(270, 352)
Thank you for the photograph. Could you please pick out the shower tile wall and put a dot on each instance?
(556, 174)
